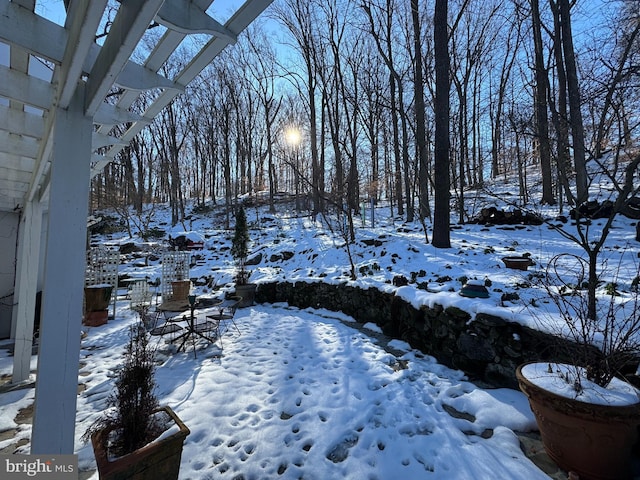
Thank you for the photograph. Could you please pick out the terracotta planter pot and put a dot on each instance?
(97, 297)
(594, 441)
(248, 294)
(517, 263)
(96, 318)
(157, 460)
(180, 289)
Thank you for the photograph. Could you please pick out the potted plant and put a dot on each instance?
(137, 438)
(588, 415)
(181, 286)
(96, 304)
(240, 252)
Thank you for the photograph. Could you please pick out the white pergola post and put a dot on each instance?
(58, 358)
(26, 287)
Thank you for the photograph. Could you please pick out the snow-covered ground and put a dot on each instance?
(306, 394)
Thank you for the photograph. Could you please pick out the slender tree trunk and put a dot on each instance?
(441, 221)
(573, 89)
(421, 126)
(559, 112)
(540, 104)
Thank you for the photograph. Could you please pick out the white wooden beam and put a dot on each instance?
(26, 289)
(83, 19)
(11, 185)
(99, 140)
(18, 25)
(132, 19)
(16, 162)
(18, 145)
(25, 88)
(59, 352)
(19, 177)
(240, 20)
(9, 204)
(98, 163)
(108, 114)
(21, 122)
(186, 17)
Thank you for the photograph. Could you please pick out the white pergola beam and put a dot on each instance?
(16, 162)
(100, 140)
(18, 177)
(21, 122)
(109, 115)
(25, 88)
(17, 27)
(17, 23)
(18, 145)
(82, 21)
(132, 19)
(246, 14)
(186, 17)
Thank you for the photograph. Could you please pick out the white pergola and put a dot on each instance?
(57, 132)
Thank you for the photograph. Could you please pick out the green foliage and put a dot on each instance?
(611, 288)
(240, 246)
(133, 402)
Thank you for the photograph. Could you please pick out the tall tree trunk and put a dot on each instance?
(441, 221)
(559, 111)
(573, 89)
(421, 126)
(540, 103)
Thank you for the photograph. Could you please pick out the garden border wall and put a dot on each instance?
(485, 347)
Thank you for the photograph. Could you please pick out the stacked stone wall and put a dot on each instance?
(485, 347)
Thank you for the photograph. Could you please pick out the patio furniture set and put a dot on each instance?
(182, 318)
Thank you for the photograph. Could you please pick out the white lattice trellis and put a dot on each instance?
(175, 266)
(102, 268)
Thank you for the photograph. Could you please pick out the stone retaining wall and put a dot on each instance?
(486, 347)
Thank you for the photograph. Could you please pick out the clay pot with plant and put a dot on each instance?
(137, 438)
(587, 411)
(240, 252)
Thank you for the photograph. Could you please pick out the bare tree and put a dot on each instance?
(441, 217)
(540, 102)
(419, 105)
(299, 18)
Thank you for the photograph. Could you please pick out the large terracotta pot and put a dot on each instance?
(594, 441)
(517, 263)
(97, 297)
(159, 460)
(248, 294)
(95, 318)
(180, 289)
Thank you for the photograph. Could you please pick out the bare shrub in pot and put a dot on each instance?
(607, 344)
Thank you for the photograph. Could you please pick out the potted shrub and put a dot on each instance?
(137, 438)
(588, 415)
(240, 252)
(181, 286)
(96, 304)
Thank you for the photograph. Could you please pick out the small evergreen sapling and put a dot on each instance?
(240, 247)
(130, 417)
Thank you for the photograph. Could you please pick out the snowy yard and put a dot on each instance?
(302, 394)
